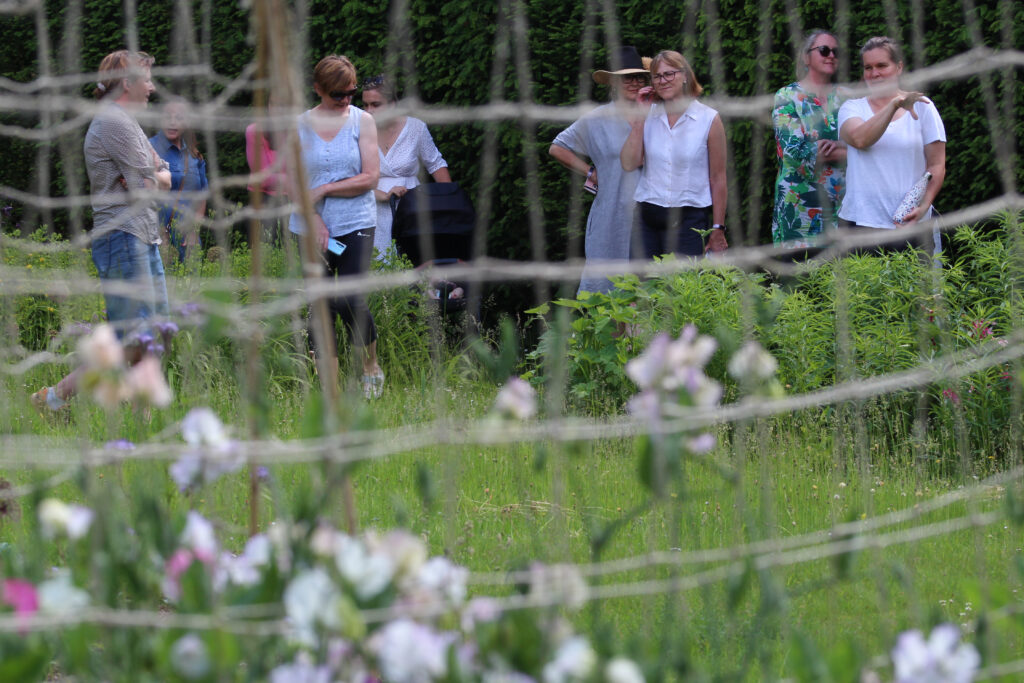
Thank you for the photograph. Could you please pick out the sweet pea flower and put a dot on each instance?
(409, 652)
(574, 661)
(21, 595)
(59, 596)
(101, 350)
(942, 659)
(198, 536)
(516, 399)
(311, 599)
(622, 670)
(189, 657)
(752, 363)
(145, 380)
(407, 551)
(302, 670)
(442, 578)
(215, 455)
(368, 573)
(202, 428)
(57, 518)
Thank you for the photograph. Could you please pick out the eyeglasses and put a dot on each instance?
(634, 78)
(825, 51)
(666, 76)
(342, 94)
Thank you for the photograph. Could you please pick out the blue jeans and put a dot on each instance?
(123, 258)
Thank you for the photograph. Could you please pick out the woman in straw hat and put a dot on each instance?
(590, 147)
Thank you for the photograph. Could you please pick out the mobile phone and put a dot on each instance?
(590, 184)
(334, 246)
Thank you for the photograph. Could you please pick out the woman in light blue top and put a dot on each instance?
(339, 152)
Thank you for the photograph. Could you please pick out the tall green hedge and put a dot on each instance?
(452, 47)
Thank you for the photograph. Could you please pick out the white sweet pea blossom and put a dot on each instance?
(145, 380)
(215, 455)
(202, 428)
(668, 366)
(407, 551)
(574, 661)
(752, 363)
(516, 399)
(189, 657)
(368, 573)
(481, 610)
(311, 599)
(57, 518)
(409, 652)
(244, 569)
(101, 350)
(622, 670)
(444, 579)
(198, 535)
(302, 670)
(59, 596)
(558, 584)
(942, 659)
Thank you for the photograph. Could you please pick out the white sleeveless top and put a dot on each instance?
(675, 170)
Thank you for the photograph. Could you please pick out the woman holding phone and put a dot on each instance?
(591, 147)
(680, 149)
(339, 152)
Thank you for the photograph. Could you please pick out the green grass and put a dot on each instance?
(497, 508)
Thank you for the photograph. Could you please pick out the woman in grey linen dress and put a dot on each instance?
(599, 136)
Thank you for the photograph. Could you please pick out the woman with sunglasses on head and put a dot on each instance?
(895, 138)
(405, 144)
(812, 159)
(591, 147)
(176, 144)
(680, 149)
(339, 152)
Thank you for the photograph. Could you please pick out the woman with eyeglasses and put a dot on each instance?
(590, 147)
(895, 138)
(405, 144)
(679, 147)
(339, 152)
(811, 180)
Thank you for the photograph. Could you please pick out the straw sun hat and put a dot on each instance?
(631, 63)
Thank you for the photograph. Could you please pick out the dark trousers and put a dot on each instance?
(890, 241)
(671, 230)
(352, 309)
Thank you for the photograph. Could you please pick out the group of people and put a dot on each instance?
(656, 156)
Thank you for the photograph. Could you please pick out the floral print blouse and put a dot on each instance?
(807, 195)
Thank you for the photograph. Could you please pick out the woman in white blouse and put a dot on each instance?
(679, 147)
(404, 144)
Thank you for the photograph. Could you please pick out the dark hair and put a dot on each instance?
(693, 87)
(885, 43)
(381, 85)
(118, 66)
(334, 72)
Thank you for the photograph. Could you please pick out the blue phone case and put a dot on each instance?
(335, 247)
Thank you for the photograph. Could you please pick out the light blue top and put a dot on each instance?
(328, 162)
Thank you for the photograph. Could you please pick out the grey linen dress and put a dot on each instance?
(599, 136)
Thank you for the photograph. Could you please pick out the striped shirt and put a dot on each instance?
(116, 148)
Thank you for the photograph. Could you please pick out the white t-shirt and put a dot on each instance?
(878, 177)
(676, 171)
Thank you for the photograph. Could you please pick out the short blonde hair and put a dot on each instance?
(334, 72)
(118, 66)
(676, 60)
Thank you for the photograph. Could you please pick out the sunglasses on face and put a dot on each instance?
(342, 94)
(634, 78)
(373, 81)
(825, 51)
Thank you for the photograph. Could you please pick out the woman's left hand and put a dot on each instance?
(716, 241)
(914, 215)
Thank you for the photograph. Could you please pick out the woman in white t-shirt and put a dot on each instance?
(894, 137)
(679, 146)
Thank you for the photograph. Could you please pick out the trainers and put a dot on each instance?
(373, 385)
(47, 403)
(38, 400)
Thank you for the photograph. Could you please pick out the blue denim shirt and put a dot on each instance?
(188, 174)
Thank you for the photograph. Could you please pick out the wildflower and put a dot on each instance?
(167, 328)
(409, 652)
(244, 569)
(262, 473)
(622, 670)
(120, 445)
(407, 551)
(311, 599)
(176, 565)
(202, 427)
(302, 670)
(59, 596)
(368, 573)
(189, 657)
(22, 596)
(516, 399)
(942, 659)
(702, 443)
(145, 380)
(480, 611)
(101, 350)
(198, 536)
(953, 397)
(57, 518)
(442, 578)
(982, 329)
(574, 660)
(752, 363)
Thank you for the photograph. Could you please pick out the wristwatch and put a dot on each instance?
(718, 226)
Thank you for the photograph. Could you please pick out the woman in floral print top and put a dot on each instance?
(811, 181)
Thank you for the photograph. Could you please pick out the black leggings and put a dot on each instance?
(352, 309)
(671, 230)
